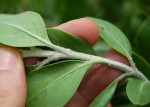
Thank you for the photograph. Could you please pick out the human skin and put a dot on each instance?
(12, 73)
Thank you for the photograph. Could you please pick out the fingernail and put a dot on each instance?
(8, 58)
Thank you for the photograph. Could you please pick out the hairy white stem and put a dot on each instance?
(96, 59)
(86, 57)
(124, 75)
(54, 55)
(36, 52)
(49, 59)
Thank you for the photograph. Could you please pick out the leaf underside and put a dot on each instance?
(113, 37)
(51, 87)
(23, 30)
(138, 91)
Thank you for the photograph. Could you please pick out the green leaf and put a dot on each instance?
(100, 48)
(54, 85)
(142, 64)
(104, 98)
(64, 39)
(138, 91)
(23, 30)
(5, 16)
(114, 37)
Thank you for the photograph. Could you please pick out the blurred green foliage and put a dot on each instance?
(116, 11)
(132, 16)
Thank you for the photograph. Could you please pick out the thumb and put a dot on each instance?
(12, 78)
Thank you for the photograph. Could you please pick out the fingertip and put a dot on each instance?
(12, 78)
(83, 28)
(10, 58)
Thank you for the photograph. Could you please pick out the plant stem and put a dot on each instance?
(77, 55)
(49, 59)
(95, 59)
(139, 75)
(124, 75)
(36, 52)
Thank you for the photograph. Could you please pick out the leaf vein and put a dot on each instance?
(28, 32)
(140, 90)
(118, 44)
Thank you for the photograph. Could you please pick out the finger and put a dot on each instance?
(84, 28)
(109, 105)
(79, 101)
(31, 60)
(103, 75)
(97, 79)
(12, 78)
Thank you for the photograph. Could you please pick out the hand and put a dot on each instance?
(12, 74)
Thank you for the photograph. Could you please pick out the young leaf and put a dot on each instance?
(51, 87)
(138, 91)
(142, 64)
(114, 37)
(64, 39)
(23, 30)
(103, 98)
